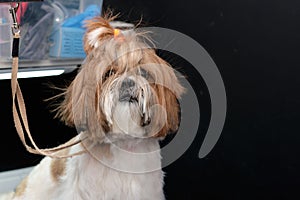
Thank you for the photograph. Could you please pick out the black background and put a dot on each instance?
(255, 45)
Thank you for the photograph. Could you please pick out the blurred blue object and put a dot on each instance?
(78, 20)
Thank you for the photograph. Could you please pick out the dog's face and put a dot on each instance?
(123, 89)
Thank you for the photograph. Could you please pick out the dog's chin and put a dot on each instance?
(127, 121)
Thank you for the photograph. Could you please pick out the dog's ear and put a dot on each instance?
(72, 111)
(78, 109)
(168, 91)
(171, 105)
(97, 29)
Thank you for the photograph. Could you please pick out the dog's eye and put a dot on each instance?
(109, 73)
(144, 73)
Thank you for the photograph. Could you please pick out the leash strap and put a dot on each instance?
(19, 108)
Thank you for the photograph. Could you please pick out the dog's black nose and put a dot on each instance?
(127, 91)
(127, 83)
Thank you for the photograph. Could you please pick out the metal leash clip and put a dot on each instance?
(13, 11)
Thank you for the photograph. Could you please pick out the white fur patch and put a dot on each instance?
(93, 36)
(127, 119)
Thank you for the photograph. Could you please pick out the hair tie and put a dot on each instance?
(117, 32)
(118, 35)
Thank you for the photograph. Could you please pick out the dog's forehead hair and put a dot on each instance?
(126, 55)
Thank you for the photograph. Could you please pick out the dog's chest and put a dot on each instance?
(88, 178)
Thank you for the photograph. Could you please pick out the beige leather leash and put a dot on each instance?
(19, 108)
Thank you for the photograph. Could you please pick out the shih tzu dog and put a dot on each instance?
(123, 101)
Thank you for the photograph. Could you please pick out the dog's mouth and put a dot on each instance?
(127, 97)
(134, 96)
